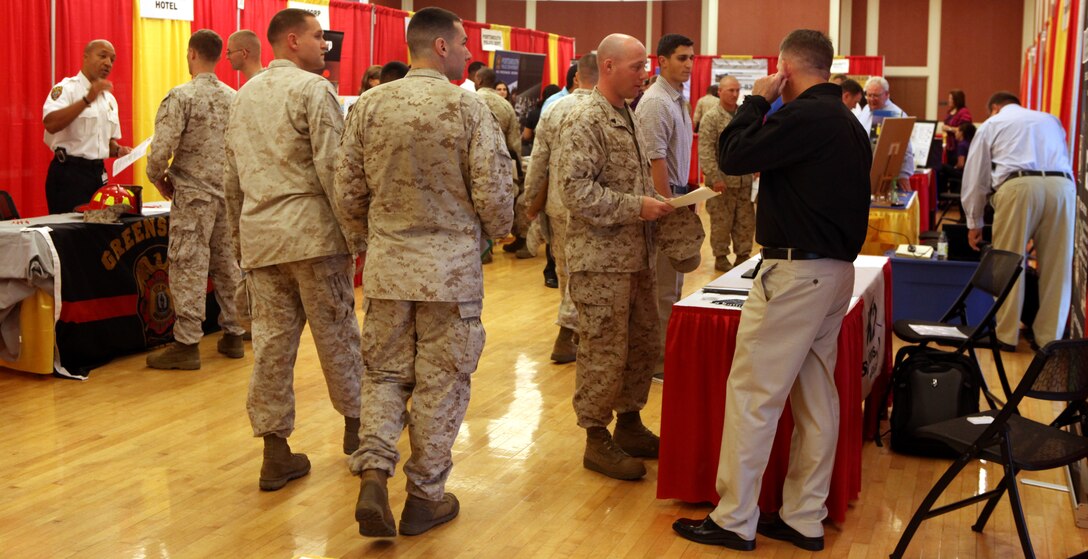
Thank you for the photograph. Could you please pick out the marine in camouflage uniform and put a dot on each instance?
(611, 254)
(732, 215)
(190, 127)
(282, 137)
(486, 80)
(423, 175)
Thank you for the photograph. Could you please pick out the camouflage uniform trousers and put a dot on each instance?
(617, 348)
(426, 352)
(198, 249)
(732, 221)
(568, 314)
(284, 296)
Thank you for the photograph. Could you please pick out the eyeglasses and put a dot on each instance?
(230, 52)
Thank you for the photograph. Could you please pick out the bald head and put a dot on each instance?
(621, 61)
(728, 92)
(98, 58)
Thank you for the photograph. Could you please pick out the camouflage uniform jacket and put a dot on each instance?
(504, 113)
(284, 127)
(606, 171)
(702, 106)
(190, 127)
(710, 129)
(546, 146)
(423, 174)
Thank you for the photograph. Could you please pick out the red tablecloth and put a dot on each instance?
(695, 176)
(699, 354)
(926, 187)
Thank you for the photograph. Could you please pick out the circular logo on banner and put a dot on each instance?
(156, 306)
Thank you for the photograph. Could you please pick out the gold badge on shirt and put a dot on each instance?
(55, 94)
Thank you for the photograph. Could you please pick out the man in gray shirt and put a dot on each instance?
(665, 122)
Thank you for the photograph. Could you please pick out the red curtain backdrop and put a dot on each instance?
(475, 42)
(540, 46)
(221, 17)
(566, 54)
(521, 40)
(24, 158)
(866, 65)
(700, 78)
(389, 42)
(255, 17)
(354, 20)
(80, 22)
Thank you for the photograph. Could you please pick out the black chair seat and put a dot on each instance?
(1035, 446)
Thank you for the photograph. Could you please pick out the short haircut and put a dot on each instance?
(838, 78)
(393, 71)
(286, 21)
(587, 68)
(550, 90)
(959, 100)
(879, 80)
(852, 87)
(1002, 98)
(474, 67)
(570, 75)
(670, 42)
(207, 44)
(812, 48)
(485, 77)
(712, 89)
(427, 25)
(968, 130)
(246, 39)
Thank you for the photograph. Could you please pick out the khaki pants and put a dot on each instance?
(732, 223)
(426, 352)
(200, 248)
(568, 313)
(786, 347)
(284, 297)
(1043, 209)
(617, 347)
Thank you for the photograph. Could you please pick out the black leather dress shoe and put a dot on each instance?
(779, 530)
(551, 281)
(705, 531)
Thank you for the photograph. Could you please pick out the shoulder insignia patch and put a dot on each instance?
(55, 94)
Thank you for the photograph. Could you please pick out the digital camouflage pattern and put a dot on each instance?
(423, 175)
(190, 128)
(284, 297)
(284, 128)
(732, 214)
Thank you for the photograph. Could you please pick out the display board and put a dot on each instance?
(523, 73)
(746, 70)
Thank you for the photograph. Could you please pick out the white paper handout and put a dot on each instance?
(938, 331)
(122, 163)
(981, 420)
(693, 197)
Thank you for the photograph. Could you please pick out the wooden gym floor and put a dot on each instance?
(137, 463)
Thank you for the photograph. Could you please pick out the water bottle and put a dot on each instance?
(942, 246)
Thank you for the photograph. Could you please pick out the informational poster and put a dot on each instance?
(335, 40)
(181, 10)
(321, 12)
(523, 73)
(746, 70)
(491, 40)
(840, 66)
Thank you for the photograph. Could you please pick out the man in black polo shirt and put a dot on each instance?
(814, 160)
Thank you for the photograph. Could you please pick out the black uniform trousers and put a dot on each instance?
(72, 183)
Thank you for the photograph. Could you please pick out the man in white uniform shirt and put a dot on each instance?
(1020, 160)
(82, 127)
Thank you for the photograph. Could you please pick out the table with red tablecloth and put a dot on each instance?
(699, 353)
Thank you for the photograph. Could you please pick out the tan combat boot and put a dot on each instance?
(280, 464)
(605, 457)
(372, 509)
(232, 346)
(565, 349)
(634, 438)
(176, 356)
(420, 515)
(351, 435)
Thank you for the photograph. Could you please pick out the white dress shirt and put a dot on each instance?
(469, 85)
(89, 135)
(1015, 139)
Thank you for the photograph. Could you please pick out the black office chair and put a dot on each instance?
(947, 200)
(996, 274)
(7, 207)
(1059, 372)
